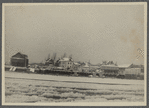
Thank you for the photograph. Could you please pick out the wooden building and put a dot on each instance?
(109, 70)
(66, 63)
(122, 68)
(19, 60)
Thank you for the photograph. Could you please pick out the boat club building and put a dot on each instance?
(19, 60)
(66, 63)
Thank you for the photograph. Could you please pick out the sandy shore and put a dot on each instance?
(31, 88)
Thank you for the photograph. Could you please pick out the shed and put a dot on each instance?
(19, 60)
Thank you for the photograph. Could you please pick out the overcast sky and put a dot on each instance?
(88, 32)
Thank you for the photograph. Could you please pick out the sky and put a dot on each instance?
(92, 33)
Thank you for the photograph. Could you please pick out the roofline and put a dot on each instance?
(20, 53)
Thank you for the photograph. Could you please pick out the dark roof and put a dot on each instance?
(20, 54)
(136, 66)
(109, 67)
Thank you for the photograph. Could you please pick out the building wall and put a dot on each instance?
(133, 71)
(121, 70)
(19, 62)
(85, 69)
(66, 64)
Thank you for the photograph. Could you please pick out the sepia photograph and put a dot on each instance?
(74, 54)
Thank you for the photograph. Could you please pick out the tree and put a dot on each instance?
(49, 56)
(45, 59)
(116, 64)
(70, 56)
(64, 55)
(104, 62)
(54, 57)
(57, 62)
